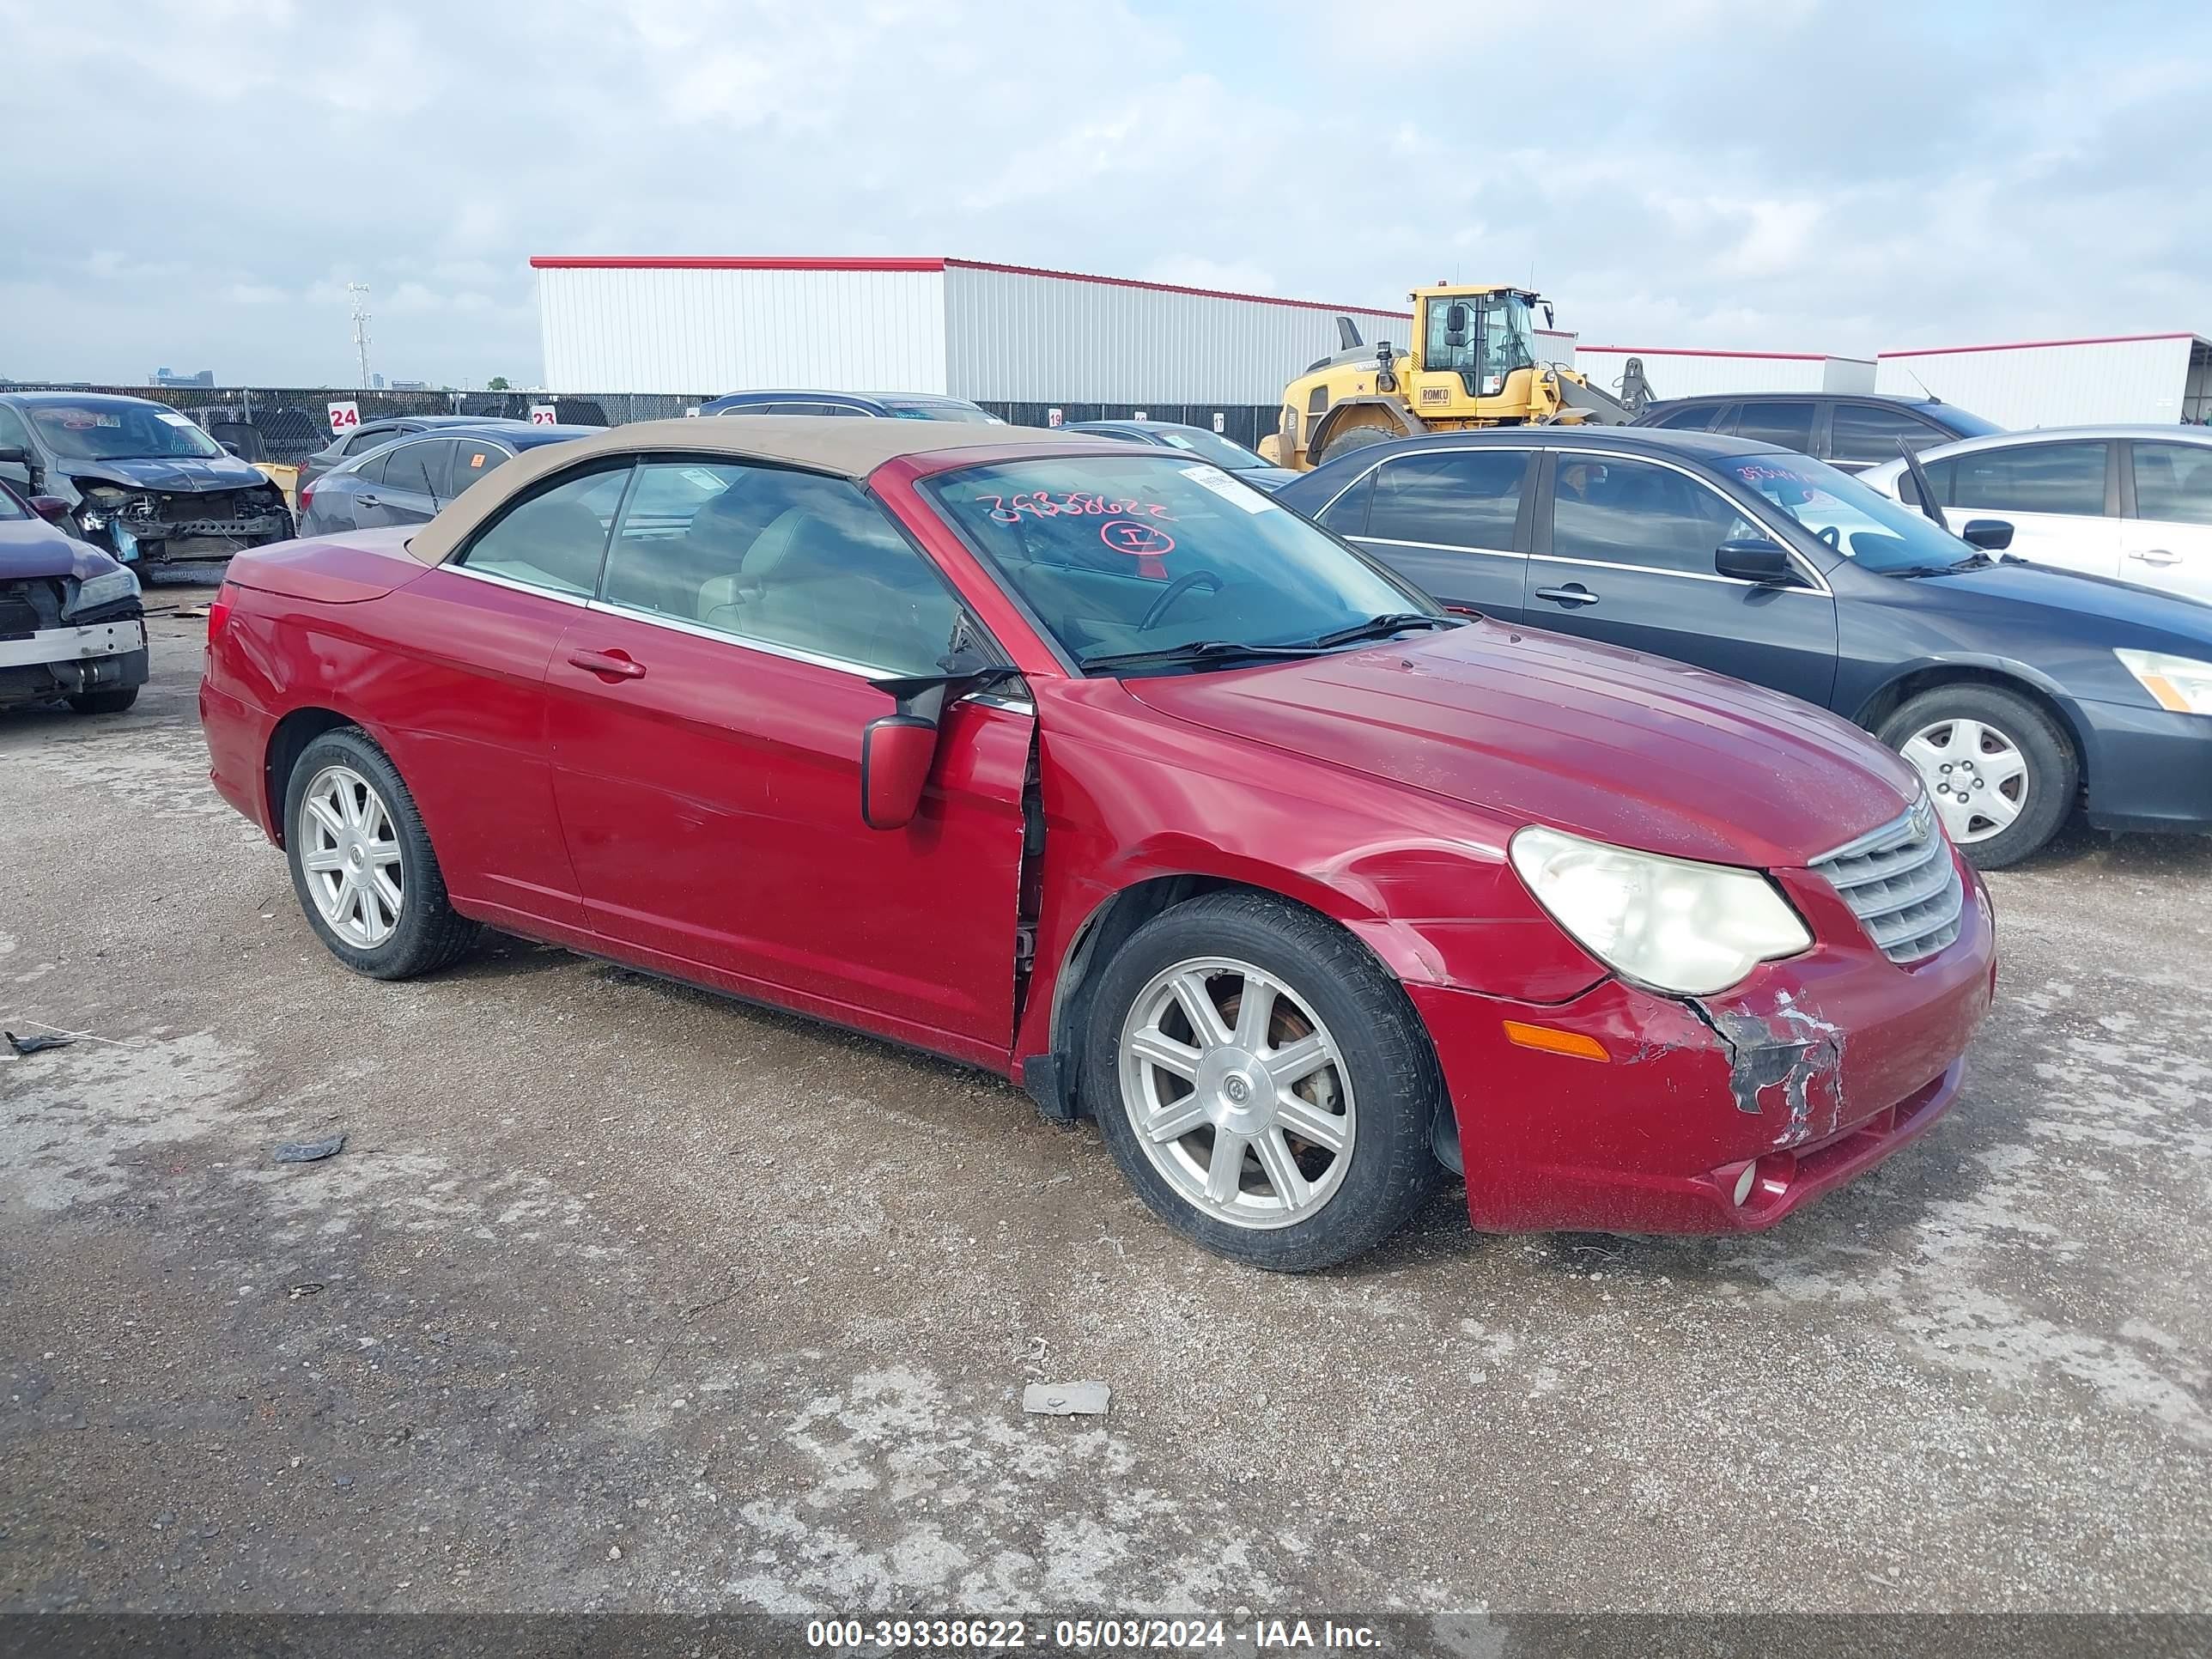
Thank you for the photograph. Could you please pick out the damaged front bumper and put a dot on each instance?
(67, 662)
(163, 530)
(1709, 1115)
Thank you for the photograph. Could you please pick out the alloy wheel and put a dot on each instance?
(1976, 775)
(1239, 1094)
(350, 849)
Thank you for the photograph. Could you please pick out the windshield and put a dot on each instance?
(941, 411)
(113, 429)
(1872, 530)
(1211, 446)
(1146, 553)
(1494, 340)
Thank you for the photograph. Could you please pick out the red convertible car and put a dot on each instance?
(1094, 767)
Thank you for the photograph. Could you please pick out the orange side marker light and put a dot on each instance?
(1553, 1042)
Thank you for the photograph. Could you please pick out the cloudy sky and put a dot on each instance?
(193, 185)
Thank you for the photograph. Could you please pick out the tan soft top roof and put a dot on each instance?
(850, 446)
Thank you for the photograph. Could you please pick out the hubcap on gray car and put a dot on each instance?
(1976, 775)
(350, 849)
(1237, 1092)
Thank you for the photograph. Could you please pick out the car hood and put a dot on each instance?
(179, 475)
(2097, 610)
(32, 548)
(1532, 727)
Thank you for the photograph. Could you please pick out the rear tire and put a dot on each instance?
(355, 841)
(113, 700)
(1988, 754)
(1168, 1094)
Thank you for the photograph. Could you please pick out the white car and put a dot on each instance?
(2133, 502)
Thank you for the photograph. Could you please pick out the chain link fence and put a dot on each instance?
(287, 424)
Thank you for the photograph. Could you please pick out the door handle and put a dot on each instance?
(366, 500)
(2156, 556)
(1572, 593)
(608, 666)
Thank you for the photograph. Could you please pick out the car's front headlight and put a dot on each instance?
(1673, 924)
(108, 589)
(2181, 684)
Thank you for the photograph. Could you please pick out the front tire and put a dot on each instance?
(2003, 775)
(1345, 440)
(361, 862)
(1264, 1085)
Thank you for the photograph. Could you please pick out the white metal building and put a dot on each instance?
(1676, 372)
(990, 333)
(2158, 378)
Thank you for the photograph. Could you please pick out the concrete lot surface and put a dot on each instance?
(622, 1297)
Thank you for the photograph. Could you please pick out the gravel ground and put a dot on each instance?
(622, 1297)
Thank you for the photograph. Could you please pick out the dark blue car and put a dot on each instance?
(1196, 440)
(2017, 691)
(882, 405)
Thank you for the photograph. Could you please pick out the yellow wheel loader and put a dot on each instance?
(1472, 363)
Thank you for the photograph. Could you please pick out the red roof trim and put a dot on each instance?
(2034, 345)
(689, 262)
(652, 262)
(1177, 287)
(1690, 351)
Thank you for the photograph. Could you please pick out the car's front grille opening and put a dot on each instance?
(1901, 883)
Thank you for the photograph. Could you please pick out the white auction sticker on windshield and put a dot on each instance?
(175, 419)
(1240, 494)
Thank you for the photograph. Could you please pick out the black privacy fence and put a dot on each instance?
(287, 424)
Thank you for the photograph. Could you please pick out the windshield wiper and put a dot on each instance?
(1196, 651)
(1976, 562)
(1381, 627)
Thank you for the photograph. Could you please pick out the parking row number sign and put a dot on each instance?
(345, 417)
(544, 415)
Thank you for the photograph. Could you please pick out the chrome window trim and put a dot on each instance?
(519, 586)
(1440, 547)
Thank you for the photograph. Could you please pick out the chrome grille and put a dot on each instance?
(1902, 884)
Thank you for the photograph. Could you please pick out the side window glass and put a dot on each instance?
(421, 467)
(472, 458)
(371, 471)
(1633, 512)
(555, 539)
(1465, 498)
(779, 558)
(1940, 475)
(1870, 433)
(2032, 479)
(366, 439)
(1696, 418)
(1348, 513)
(13, 433)
(2174, 482)
(1789, 425)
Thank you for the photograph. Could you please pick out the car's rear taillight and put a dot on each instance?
(307, 493)
(218, 612)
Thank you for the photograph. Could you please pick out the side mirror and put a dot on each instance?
(1755, 559)
(1993, 535)
(14, 457)
(896, 752)
(52, 508)
(1455, 319)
